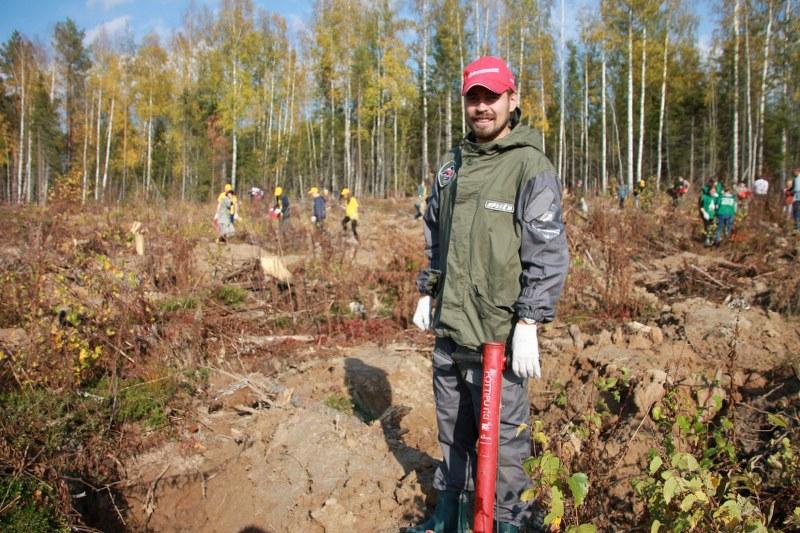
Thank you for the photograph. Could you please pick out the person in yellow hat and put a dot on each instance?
(282, 207)
(318, 208)
(350, 212)
(231, 208)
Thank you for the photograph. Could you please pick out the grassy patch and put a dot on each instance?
(229, 295)
(29, 507)
(178, 303)
(341, 403)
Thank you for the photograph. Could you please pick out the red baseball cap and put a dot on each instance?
(490, 72)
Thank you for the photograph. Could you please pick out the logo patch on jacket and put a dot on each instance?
(446, 174)
(494, 205)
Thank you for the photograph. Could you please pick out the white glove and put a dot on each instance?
(422, 316)
(705, 214)
(313, 219)
(525, 352)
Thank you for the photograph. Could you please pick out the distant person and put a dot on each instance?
(760, 192)
(638, 189)
(788, 198)
(419, 206)
(256, 194)
(350, 212)
(222, 217)
(318, 211)
(622, 194)
(708, 209)
(796, 202)
(726, 213)
(282, 207)
(233, 211)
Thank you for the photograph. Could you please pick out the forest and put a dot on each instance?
(366, 95)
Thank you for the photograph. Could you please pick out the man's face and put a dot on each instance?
(488, 113)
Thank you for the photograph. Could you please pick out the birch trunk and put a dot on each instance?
(425, 170)
(661, 108)
(150, 152)
(735, 174)
(562, 161)
(348, 177)
(108, 146)
(85, 176)
(21, 150)
(448, 121)
(235, 122)
(28, 184)
(542, 103)
(630, 100)
(749, 168)
(334, 182)
(603, 147)
(641, 107)
(585, 124)
(394, 153)
(97, 146)
(762, 104)
(461, 64)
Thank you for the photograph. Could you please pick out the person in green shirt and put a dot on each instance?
(708, 208)
(726, 212)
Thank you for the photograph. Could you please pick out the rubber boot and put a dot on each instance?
(466, 511)
(445, 516)
(505, 527)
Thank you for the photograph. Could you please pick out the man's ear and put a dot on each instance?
(513, 99)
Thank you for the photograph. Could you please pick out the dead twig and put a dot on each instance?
(149, 506)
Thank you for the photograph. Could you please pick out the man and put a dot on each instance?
(350, 212)
(796, 196)
(708, 208)
(622, 193)
(726, 212)
(498, 260)
(283, 208)
(760, 191)
(318, 212)
(228, 197)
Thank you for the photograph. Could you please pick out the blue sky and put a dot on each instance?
(37, 18)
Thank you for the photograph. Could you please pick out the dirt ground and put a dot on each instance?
(331, 428)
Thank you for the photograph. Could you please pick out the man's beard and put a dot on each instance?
(487, 135)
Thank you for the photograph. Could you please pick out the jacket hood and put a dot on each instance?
(520, 136)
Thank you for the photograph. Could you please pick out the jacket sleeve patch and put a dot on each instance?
(539, 207)
(446, 174)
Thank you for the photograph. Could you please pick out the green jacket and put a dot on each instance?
(726, 205)
(495, 240)
(708, 205)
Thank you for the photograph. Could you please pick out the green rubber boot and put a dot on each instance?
(445, 516)
(466, 511)
(505, 527)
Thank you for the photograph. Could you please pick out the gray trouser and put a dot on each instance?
(457, 390)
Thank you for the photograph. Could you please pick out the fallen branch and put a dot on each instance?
(710, 278)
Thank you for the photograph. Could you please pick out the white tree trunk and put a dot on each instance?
(235, 120)
(603, 147)
(641, 107)
(762, 104)
(21, 148)
(585, 124)
(461, 64)
(562, 160)
(735, 174)
(97, 146)
(150, 152)
(630, 100)
(348, 172)
(29, 180)
(750, 167)
(85, 177)
(542, 102)
(448, 120)
(424, 61)
(662, 106)
(108, 146)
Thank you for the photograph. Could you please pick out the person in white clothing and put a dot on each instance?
(760, 190)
